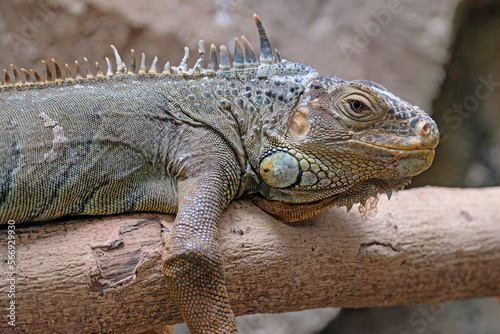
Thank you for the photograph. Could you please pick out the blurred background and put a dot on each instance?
(440, 55)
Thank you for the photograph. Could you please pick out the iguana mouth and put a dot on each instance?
(411, 147)
(407, 161)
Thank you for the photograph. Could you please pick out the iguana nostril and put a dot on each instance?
(428, 132)
(424, 128)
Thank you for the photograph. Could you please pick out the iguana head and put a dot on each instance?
(343, 142)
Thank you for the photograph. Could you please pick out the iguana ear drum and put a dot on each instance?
(279, 169)
(299, 124)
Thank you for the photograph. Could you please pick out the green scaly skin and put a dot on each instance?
(190, 141)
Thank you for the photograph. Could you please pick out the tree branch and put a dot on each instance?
(104, 275)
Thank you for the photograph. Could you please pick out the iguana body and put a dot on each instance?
(189, 141)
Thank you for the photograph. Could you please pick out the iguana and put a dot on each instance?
(189, 140)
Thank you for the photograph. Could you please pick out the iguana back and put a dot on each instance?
(90, 148)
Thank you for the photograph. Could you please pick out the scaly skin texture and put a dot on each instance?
(188, 141)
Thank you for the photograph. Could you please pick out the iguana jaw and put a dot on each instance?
(408, 161)
(292, 212)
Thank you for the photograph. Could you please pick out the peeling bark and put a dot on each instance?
(103, 274)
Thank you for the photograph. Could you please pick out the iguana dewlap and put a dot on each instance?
(189, 140)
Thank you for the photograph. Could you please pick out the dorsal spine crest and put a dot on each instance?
(244, 57)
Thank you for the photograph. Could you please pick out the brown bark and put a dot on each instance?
(104, 275)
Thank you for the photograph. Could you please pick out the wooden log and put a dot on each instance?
(103, 274)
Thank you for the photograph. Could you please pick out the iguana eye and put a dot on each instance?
(356, 106)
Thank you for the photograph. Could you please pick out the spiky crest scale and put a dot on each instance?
(78, 71)
(152, 69)
(109, 72)
(142, 67)
(58, 72)
(37, 77)
(8, 83)
(212, 64)
(244, 57)
(131, 70)
(49, 73)
(68, 73)
(224, 59)
(27, 76)
(87, 67)
(16, 75)
(199, 63)
(99, 73)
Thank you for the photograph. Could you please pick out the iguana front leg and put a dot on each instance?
(192, 264)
